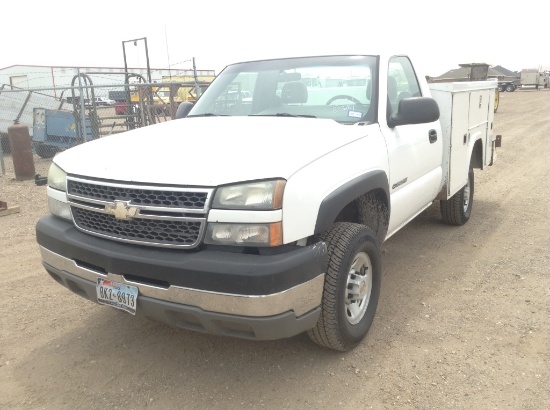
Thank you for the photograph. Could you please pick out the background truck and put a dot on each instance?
(507, 85)
(101, 102)
(263, 216)
(533, 78)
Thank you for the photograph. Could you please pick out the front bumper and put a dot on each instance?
(241, 295)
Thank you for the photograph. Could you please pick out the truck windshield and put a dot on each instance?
(334, 87)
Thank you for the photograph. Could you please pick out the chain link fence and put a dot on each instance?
(61, 118)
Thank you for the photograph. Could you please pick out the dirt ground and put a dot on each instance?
(463, 320)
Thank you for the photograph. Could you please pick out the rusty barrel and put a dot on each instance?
(21, 151)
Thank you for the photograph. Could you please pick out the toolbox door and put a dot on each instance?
(459, 161)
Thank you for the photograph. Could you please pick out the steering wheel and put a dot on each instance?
(343, 97)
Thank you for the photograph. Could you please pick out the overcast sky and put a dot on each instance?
(438, 35)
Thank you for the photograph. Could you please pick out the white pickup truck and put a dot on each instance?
(263, 217)
(100, 101)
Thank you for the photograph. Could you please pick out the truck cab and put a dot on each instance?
(533, 78)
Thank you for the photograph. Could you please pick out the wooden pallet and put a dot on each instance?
(5, 210)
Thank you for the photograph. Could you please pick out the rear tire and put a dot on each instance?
(352, 286)
(510, 88)
(457, 209)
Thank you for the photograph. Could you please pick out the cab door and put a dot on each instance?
(414, 151)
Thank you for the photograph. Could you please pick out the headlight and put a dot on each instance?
(57, 192)
(57, 178)
(244, 234)
(260, 196)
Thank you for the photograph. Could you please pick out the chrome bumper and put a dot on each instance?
(300, 299)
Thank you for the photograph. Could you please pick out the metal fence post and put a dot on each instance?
(82, 108)
(2, 160)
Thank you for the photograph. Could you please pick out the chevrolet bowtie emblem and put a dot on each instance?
(121, 210)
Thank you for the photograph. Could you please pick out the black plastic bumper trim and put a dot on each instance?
(209, 270)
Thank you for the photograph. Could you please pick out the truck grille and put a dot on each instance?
(162, 216)
(176, 233)
(138, 196)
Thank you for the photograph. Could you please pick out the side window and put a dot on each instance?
(402, 82)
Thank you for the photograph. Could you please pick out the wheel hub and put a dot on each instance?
(362, 288)
(359, 287)
(466, 201)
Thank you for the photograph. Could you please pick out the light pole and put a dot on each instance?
(146, 55)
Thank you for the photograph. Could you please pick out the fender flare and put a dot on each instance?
(333, 203)
(478, 162)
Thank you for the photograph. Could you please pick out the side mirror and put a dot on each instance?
(183, 109)
(415, 110)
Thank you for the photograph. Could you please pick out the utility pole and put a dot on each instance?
(167, 52)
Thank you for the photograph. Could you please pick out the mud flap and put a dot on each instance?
(497, 143)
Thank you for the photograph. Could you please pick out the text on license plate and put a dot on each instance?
(118, 295)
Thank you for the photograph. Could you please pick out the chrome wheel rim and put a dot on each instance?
(466, 202)
(358, 288)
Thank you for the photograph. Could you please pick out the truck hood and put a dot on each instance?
(209, 151)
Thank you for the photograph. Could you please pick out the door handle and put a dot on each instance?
(433, 136)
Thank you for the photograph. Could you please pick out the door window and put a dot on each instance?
(402, 82)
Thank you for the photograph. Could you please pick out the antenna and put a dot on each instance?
(167, 52)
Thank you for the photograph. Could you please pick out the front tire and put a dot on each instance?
(457, 209)
(352, 286)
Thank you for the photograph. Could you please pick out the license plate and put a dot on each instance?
(117, 295)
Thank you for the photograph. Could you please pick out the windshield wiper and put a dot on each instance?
(284, 114)
(207, 114)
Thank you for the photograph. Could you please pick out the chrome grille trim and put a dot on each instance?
(205, 193)
(150, 225)
(141, 213)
